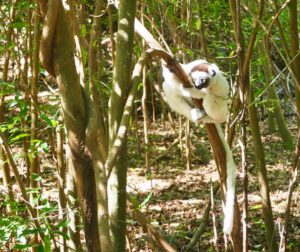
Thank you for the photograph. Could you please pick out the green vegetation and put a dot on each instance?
(93, 159)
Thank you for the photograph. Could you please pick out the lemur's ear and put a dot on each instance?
(213, 70)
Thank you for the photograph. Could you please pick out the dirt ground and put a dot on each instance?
(174, 199)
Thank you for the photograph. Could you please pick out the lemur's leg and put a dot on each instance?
(207, 119)
(203, 117)
(192, 113)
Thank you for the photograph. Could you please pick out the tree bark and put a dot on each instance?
(287, 139)
(121, 77)
(74, 242)
(94, 60)
(263, 179)
(62, 172)
(295, 48)
(4, 166)
(244, 83)
(58, 58)
(34, 165)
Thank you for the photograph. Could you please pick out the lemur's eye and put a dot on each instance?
(214, 73)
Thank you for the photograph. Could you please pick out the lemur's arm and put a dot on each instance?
(192, 92)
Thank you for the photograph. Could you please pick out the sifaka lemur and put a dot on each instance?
(210, 85)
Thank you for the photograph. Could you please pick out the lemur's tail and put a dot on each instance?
(230, 184)
(230, 195)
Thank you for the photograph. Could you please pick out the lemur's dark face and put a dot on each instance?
(203, 74)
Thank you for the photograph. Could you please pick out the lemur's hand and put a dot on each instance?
(197, 114)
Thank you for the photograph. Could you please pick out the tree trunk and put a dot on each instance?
(3, 159)
(94, 60)
(58, 58)
(222, 158)
(295, 47)
(34, 166)
(62, 172)
(262, 178)
(121, 76)
(287, 139)
(74, 242)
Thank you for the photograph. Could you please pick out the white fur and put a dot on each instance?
(230, 184)
(215, 96)
(180, 103)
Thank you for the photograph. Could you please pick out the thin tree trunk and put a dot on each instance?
(188, 154)
(244, 62)
(61, 169)
(27, 67)
(287, 139)
(74, 242)
(262, 178)
(121, 76)
(152, 232)
(146, 120)
(224, 161)
(3, 164)
(95, 58)
(243, 89)
(295, 48)
(35, 167)
(203, 45)
(292, 185)
(204, 220)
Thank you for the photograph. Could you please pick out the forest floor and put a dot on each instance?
(173, 199)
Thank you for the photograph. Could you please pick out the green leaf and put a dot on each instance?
(47, 243)
(32, 190)
(146, 200)
(84, 56)
(23, 246)
(46, 119)
(255, 207)
(18, 137)
(36, 177)
(18, 25)
(63, 223)
(40, 248)
(65, 235)
(30, 231)
(83, 30)
(197, 24)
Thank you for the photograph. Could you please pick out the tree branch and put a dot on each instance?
(14, 167)
(46, 50)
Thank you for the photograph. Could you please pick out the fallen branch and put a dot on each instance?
(153, 233)
(204, 220)
(176, 141)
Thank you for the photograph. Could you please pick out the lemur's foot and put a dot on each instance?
(197, 114)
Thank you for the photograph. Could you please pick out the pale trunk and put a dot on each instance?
(121, 76)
